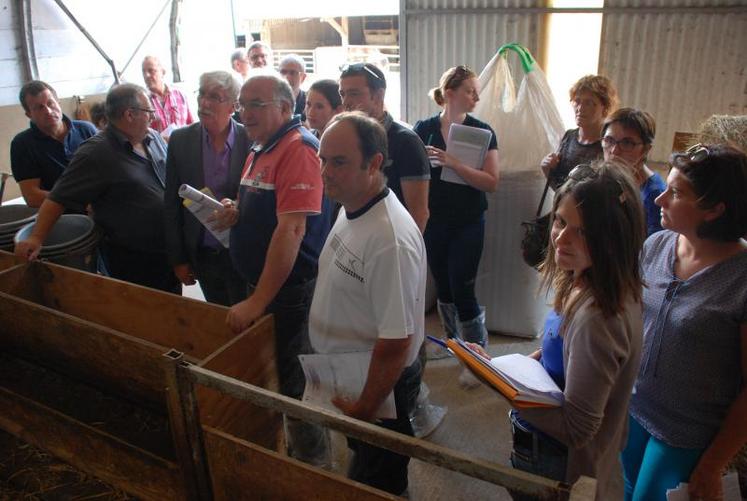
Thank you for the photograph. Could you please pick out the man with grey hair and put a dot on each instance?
(279, 228)
(240, 63)
(209, 156)
(259, 54)
(370, 292)
(293, 69)
(121, 172)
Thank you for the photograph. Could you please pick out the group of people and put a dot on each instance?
(334, 217)
(648, 333)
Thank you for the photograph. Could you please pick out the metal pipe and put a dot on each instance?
(109, 61)
(28, 52)
(145, 37)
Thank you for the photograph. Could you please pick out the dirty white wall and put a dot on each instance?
(68, 61)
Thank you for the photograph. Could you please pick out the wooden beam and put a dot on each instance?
(184, 421)
(526, 483)
(341, 29)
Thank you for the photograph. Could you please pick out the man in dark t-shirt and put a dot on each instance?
(362, 88)
(40, 154)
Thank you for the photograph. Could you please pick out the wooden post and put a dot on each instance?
(185, 429)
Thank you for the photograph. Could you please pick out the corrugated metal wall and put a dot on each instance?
(439, 34)
(682, 66)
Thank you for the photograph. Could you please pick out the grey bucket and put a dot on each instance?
(71, 242)
(12, 218)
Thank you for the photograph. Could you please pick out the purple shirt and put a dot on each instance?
(215, 168)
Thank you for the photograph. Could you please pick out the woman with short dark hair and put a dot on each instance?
(627, 136)
(688, 413)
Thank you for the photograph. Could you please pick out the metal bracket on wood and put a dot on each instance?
(186, 429)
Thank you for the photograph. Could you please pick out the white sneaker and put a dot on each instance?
(467, 380)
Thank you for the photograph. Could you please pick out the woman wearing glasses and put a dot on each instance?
(456, 227)
(593, 97)
(323, 101)
(627, 136)
(689, 408)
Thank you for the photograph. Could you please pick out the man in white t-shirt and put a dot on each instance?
(370, 289)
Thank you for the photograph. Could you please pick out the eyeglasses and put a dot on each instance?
(609, 142)
(357, 68)
(151, 113)
(697, 153)
(254, 105)
(460, 72)
(286, 71)
(213, 97)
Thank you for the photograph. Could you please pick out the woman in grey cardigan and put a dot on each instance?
(592, 265)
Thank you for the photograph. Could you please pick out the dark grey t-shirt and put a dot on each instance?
(124, 188)
(571, 154)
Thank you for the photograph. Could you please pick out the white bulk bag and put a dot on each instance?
(528, 127)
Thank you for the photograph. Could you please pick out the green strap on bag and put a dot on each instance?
(527, 61)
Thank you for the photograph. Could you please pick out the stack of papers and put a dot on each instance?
(521, 379)
(340, 375)
(202, 204)
(469, 145)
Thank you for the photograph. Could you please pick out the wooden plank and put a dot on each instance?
(23, 282)
(240, 469)
(8, 260)
(84, 350)
(185, 429)
(250, 357)
(195, 328)
(112, 460)
(526, 483)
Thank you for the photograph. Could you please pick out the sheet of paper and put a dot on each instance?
(527, 375)
(729, 484)
(339, 374)
(203, 205)
(469, 145)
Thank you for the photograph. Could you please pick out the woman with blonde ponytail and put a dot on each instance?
(455, 231)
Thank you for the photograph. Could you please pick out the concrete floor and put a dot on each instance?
(476, 423)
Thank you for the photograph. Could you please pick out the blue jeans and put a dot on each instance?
(382, 468)
(454, 252)
(535, 452)
(651, 467)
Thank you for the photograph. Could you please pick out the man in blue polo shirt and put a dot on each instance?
(39, 155)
